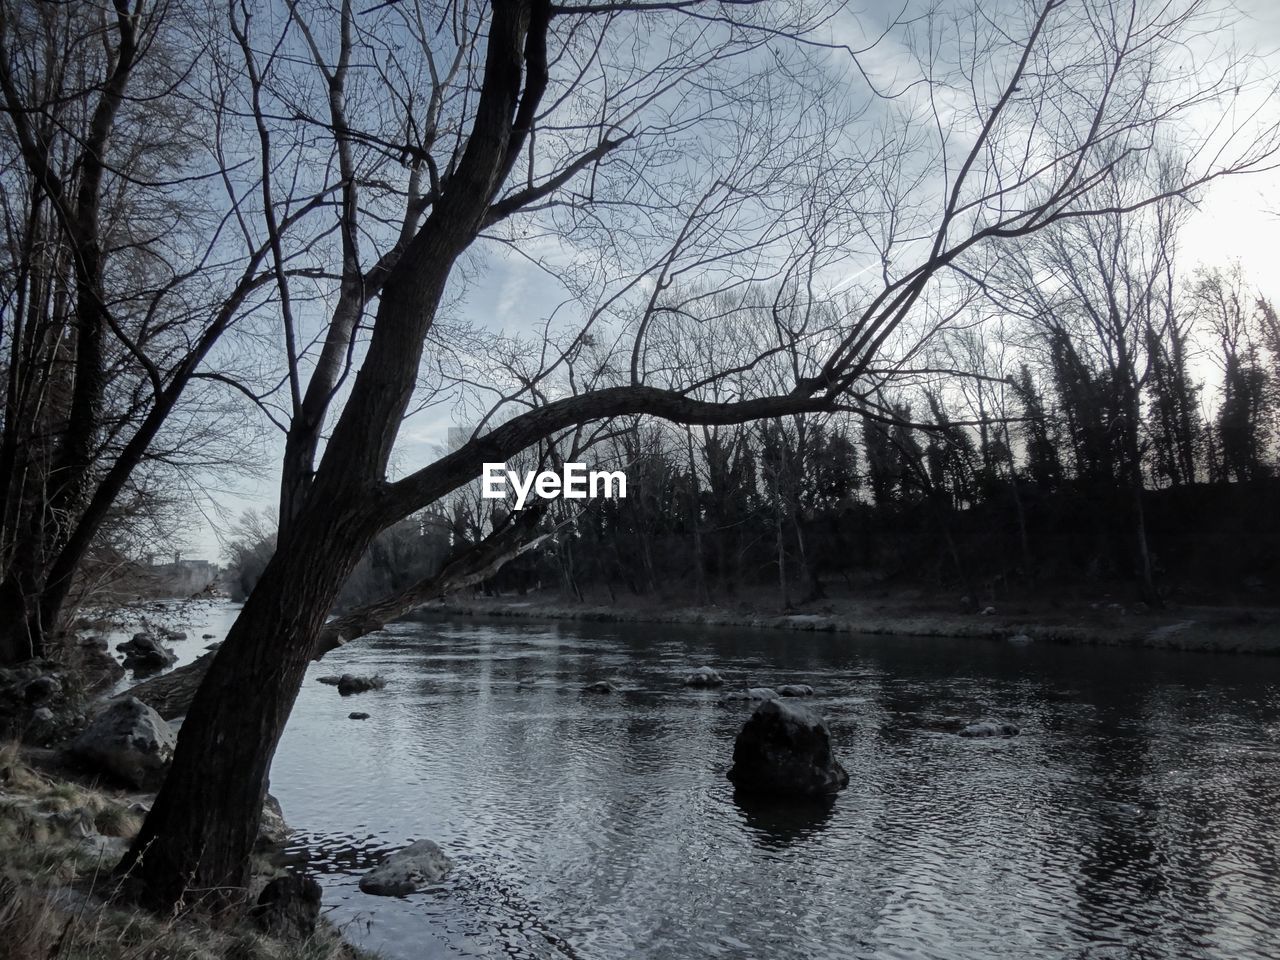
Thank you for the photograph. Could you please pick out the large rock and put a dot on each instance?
(349, 684)
(703, 677)
(129, 742)
(783, 750)
(407, 871)
(288, 908)
(144, 652)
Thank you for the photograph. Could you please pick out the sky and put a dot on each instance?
(1239, 219)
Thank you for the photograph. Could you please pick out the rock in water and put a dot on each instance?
(358, 715)
(129, 741)
(1020, 640)
(349, 684)
(785, 751)
(988, 728)
(145, 652)
(407, 871)
(288, 908)
(600, 686)
(795, 690)
(703, 677)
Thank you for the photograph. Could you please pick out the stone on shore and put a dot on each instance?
(288, 908)
(407, 871)
(703, 677)
(988, 728)
(273, 831)
(784, 751)
(349, 683)
(129, 742)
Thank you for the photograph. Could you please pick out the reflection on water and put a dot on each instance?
(1133, 818)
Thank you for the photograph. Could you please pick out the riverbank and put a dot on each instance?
(60, 836)
(1254, 630)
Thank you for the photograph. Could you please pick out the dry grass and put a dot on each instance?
(55, 890)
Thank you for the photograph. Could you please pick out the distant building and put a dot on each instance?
(184, 577)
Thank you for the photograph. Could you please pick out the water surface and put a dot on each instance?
(1134, 817)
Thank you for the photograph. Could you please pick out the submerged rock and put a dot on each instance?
(795, 690)
(988, 728)
(349, 683)
(783, 750)
(129, 742)
(288, 908)
(407, 871)
(600, 686)
(1020, 640)
(703, 677)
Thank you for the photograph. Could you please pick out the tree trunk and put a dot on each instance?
(195, 842)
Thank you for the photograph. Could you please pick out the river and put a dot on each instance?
(1134, 817)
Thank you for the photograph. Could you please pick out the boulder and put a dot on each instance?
(988, 728)
(795, 690)
(129, 742)
(600, 686)
(783, 750)
(407, 871)
(41, 689)
(144, 652)
(288, 908)
(349, 683)
(703, 677)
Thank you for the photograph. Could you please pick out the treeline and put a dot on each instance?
(1084, 447)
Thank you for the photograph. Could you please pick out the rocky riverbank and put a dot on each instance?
(61, 832)
(1100, 623)
(77, 777)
